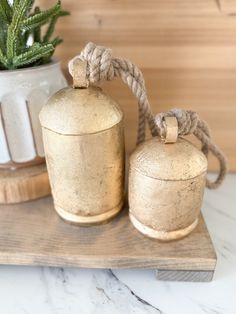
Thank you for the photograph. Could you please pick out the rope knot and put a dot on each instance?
(100, 66)
(187, 121)
(99, 63)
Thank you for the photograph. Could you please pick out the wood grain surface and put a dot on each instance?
(23, 184)
(33, 234)
(186, 48)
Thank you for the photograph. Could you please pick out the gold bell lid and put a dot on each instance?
(78, 111)
(178, 161)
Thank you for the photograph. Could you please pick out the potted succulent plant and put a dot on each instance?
(28, 76)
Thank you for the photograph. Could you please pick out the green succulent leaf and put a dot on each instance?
(3, 37)
(23, 41)
(15, 4)
(56, 41)
(5, 11)
(37, 30)
(34, 53)
(40, 18)
(52, 23)
(3, 59)
(14, 28)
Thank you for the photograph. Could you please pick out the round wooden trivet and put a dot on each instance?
(23, 184)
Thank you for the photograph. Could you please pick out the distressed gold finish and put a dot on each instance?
(84, 145)
(160, 234)
(171, 130)
(79, 74)
(166, 186)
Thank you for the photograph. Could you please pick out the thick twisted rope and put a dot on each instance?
(190, 123)
(102, 67)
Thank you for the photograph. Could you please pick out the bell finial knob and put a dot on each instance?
(79, 71)
(171, 132)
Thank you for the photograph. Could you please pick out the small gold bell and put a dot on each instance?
(166, 185)
(84, 147)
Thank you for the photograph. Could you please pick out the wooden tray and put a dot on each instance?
(33, 234)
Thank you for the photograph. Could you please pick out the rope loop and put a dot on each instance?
(101, 66)
(189, 123)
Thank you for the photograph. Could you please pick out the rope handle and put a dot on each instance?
(189, 122)
(99, 65)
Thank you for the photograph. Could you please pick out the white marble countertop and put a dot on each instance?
(43, 290)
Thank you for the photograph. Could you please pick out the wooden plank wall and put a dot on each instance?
(186, 48)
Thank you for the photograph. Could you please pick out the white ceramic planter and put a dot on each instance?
(23, 92)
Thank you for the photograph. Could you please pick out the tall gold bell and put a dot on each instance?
(84, 147)
(166, 186)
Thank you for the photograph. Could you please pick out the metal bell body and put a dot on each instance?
(166, 186)
(84, 147)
